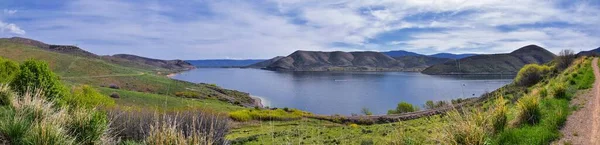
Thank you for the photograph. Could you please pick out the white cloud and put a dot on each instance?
(240, 29)
(9, 12)
(11, 28)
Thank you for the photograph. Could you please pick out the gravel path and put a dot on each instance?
(583, 126)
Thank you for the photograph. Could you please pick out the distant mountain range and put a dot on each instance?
(509, 63)
(399, 53)
(217, 63)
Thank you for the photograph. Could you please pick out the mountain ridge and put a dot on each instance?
(505, 63)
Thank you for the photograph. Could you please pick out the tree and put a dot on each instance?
(366, 111)
(429, 104)
(404, 107)
(37, 75)
(564, 59)
(8, 69)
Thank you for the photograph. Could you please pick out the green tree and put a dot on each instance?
(366, 111)
(37, 75)
(8, 69)
(429, 104)
(404, 107)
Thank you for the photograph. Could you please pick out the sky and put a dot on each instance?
(260, 29)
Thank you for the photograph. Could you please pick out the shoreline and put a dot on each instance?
(260, 101)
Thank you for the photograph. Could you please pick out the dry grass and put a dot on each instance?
(188, 127)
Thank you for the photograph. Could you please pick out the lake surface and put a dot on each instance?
(345, 92)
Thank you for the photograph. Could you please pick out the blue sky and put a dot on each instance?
(208, 29)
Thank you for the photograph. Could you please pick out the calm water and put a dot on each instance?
(345, 92)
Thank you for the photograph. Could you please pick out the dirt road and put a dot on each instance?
(583, 126)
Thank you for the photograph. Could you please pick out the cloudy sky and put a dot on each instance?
(207, 29)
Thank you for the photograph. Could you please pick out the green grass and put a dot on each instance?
(268, 115)
(139, 100)
(310, 131)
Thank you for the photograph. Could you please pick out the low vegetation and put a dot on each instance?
(268, 114)
(404, 107)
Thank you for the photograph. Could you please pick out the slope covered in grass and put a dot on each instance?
(97, 72)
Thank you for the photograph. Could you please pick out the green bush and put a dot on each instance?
(404, 107)
(498, 117)
(531, 74)
(86, 96)
(6, 95)
(8, 69)
(528, 110)
(37, 75)
(559, 90)
(87, 126)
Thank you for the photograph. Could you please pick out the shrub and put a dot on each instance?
(88, 126)
(6, 96)
(86, 96)
(115, 95)
(37, 75)
(470, 128)
(240, 116)
(564, 59)
(404, 107)
(531, 74)
(559, 90)
(429, 104)
(528, 110)
(498, 117)
(543, 92)
(8, 69)
(366, 111)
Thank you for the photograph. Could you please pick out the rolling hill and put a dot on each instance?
(509, 63)
(98, 72)
(593, 52)
(350, 61)
(264, 64)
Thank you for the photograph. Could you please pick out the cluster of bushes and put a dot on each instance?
(268, 114)
(30, 118)
(433, 105)
(403, 107)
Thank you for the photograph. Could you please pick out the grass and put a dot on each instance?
(268, 115)
(139, 100)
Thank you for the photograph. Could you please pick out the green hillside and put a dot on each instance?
(99, 73)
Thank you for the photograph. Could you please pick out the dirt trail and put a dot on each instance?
(583, 126)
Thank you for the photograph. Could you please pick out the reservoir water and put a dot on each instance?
(345, 92)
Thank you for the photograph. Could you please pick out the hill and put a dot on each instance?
(74, 69)
(264, 64)
(593, 52)
(176, 65)
(167, 66)
(216, 63)
(336, 61)
(451, 56)
(509, 63)
(421, 61)
(399, 53)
